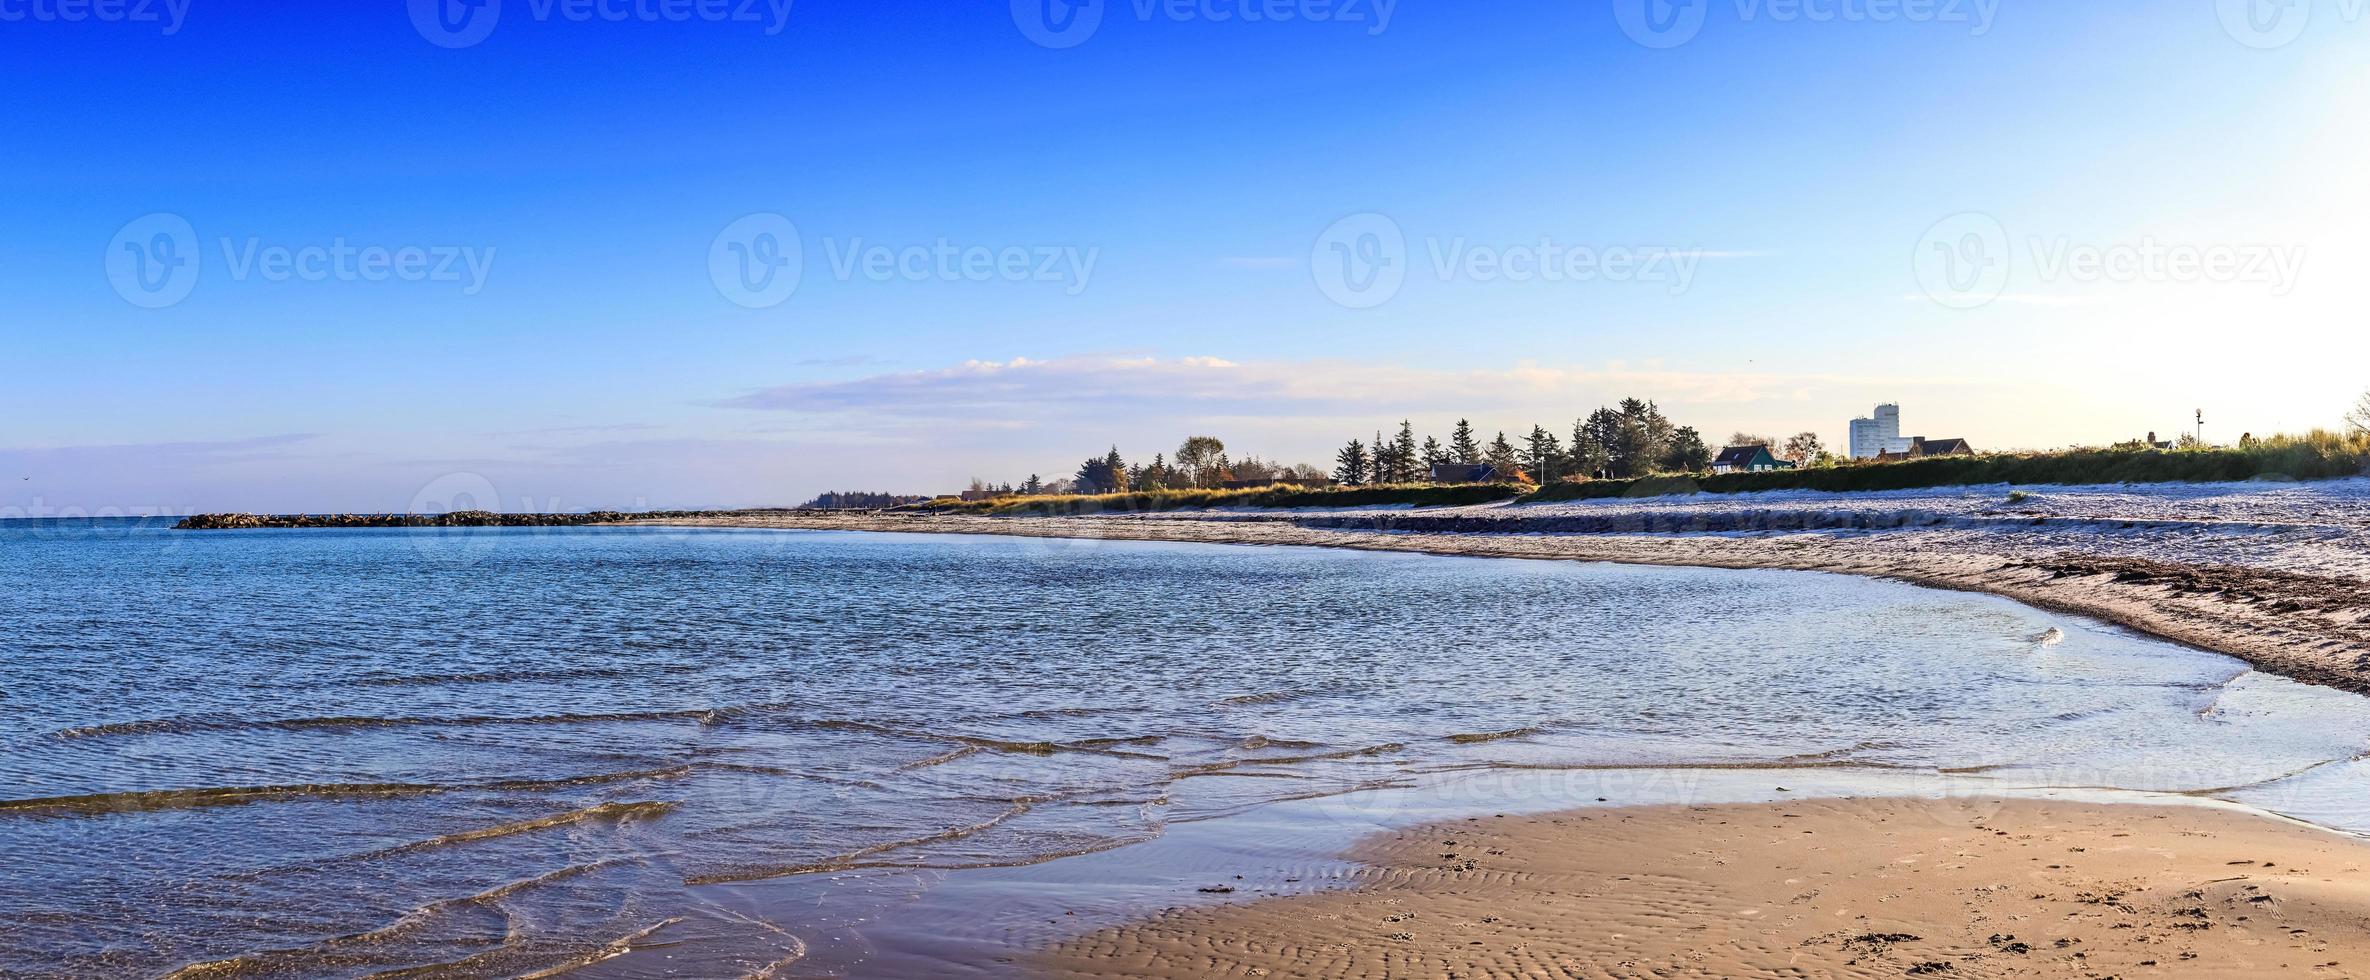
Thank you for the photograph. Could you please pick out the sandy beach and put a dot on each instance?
(1844, 888)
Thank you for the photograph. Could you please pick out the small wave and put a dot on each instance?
(1230, 767)
(611, 812)
(1269, 697)
(1773, 765)
(178, 726)
(523, 676)
(856, 858)
(1844, 754)
(1099, 746)
(1475, 738)
(2048, 638)
(283, 960)
(489, 963)
(137, 801)
(615, 948)
(1264, 742)
(940, 759)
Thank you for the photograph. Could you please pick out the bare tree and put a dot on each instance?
(1804, 448)
(2359, 419)
(1749, 439)
(1254, 468)
(1202, 458)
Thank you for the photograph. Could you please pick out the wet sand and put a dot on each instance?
(1847, 888)
(2170, 581)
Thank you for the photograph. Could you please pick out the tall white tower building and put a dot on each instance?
(1879, 434)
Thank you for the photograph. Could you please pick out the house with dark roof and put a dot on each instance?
(1748, 459)
(1921, 447)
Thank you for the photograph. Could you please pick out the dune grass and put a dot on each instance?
(2318, 455)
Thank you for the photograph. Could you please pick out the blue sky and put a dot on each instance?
(1178, 174)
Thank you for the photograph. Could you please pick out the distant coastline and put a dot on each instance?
(477, 518)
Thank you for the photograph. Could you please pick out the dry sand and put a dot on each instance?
(1824, 888)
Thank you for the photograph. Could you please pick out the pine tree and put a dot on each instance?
(1462, 446)
(1433, 454)
(1644, 439)
(1544, 454)
(1094, 476)
(1501, 456)
(1592, 443)
(1350, 465)
(1118, 468)
(1403, 454)
(1688, 454)
(1033, 486)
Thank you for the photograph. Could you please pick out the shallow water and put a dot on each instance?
(314, 753)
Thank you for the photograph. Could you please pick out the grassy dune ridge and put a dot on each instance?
(2315, 456)
(1419, 495)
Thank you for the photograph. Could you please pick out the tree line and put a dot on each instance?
(857, 499)
(1200, 463)
(1631, 439)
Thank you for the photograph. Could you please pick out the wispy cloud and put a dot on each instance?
(1113, 389)
(157, 453)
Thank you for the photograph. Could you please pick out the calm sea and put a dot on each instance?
(507, 752)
